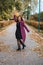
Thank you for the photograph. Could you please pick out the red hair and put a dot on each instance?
(21, 17)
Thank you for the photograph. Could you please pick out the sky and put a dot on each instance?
(41, 6)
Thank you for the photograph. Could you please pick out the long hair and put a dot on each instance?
(21, 17)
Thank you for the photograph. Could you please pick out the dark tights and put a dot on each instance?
(20, 43)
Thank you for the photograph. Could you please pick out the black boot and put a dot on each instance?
(22, 44)
(19, 48)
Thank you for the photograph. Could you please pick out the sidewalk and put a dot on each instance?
(9, 55)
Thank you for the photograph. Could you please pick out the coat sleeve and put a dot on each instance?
(25, 27)
(15, 18)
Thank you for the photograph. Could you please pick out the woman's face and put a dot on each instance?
(19, 18)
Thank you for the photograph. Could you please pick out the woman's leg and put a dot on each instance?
(22, 44)
(19, 47)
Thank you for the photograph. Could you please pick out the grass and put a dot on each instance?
(35, 24)
(37, 38)
(36, 29)
(5, 24)
(2, 28)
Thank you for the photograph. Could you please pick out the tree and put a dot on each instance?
(6, 6)
(33, 4)
(18, 5)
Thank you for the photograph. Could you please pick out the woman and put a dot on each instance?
(20, 32)
(23, 33)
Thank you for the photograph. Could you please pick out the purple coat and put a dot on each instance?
(15, 18)
(23, 27)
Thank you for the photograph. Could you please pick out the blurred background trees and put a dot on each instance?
(7, 6)
(35, 16)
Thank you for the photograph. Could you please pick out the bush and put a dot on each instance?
(35, 16)
(35, 24)
(1, 18)
(1, 25)
(5, 23)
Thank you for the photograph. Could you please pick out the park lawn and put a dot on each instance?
(2, 29)
(35, 23)
(4, 24)
(4, 47)
(37, 37)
